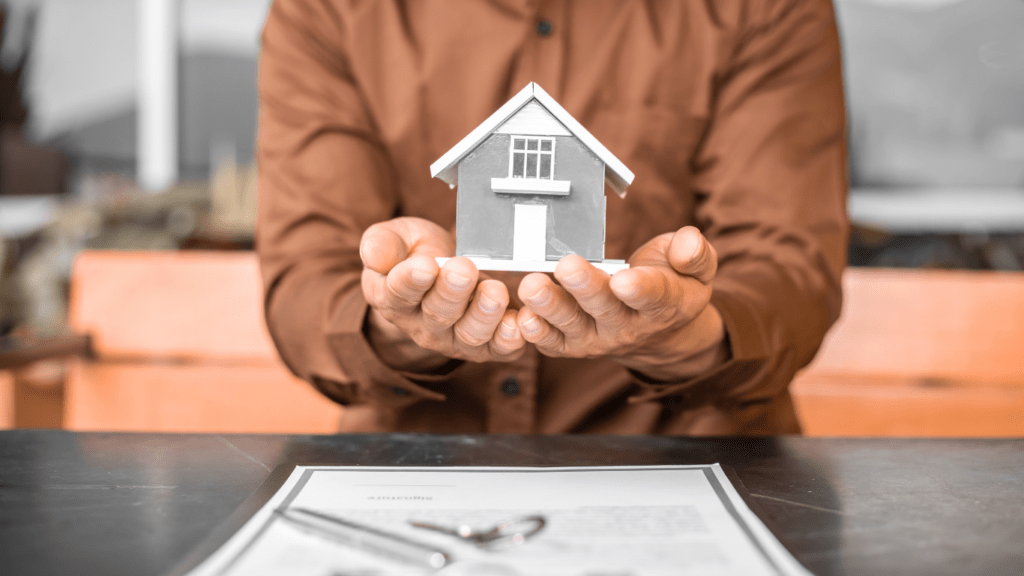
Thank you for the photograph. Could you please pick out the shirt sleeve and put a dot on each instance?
(770, 180)
(324, 177)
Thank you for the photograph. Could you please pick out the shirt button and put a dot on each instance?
(399, 391)
(510, 386)
(544, 28)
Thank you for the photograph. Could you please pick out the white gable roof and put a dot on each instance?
(532, 120)
(447, 167)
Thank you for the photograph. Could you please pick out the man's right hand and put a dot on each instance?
(445, 312)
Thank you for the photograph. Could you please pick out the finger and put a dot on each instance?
(373, 287)
(691, 254)
(654, 252)
(476, 327)
(537, 330)
(424, 237)
(382, 248)
(648, 288)
(508, 340)
(589, 286)
(407, 283)
(555, 305)
(447, 299)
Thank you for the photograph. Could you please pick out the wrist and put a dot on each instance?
(396, 349)
(697, 348)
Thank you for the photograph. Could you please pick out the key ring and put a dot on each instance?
(513, 531)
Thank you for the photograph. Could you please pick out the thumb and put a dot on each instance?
(691, 254)
(382, 248)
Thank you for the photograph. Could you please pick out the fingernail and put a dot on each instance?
(507, 331)
(457, 280)
(421, 276)
(696, 253)
(541, 297)
(487, 304)
(531, 326)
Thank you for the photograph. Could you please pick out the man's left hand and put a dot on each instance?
(654, 317)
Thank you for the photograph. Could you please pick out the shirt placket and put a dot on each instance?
(542, 56)
(512, 398)
(512, 405)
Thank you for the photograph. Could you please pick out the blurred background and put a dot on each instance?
(130, 125)
(73, 98)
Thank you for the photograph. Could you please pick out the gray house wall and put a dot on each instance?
(485, 219)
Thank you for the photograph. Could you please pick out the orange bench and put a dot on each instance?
(179, 345)
(6, 400)
(920, 353)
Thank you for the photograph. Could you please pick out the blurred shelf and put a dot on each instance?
(24, 215)
(939, 210)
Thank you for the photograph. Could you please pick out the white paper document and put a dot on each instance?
(580, 521)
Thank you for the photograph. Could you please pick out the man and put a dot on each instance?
(730, 113)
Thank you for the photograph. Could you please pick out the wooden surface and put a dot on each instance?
(137, 504)
(925, 353)
(181, 346)
(39, 394)
(121, 396)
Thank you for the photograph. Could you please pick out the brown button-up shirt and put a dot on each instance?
(730, 113)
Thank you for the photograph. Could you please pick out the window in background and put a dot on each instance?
(935, 90)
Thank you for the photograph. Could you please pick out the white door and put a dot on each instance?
(529, 236)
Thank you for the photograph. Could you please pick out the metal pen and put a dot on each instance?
(367, 538)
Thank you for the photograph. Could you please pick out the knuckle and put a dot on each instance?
(400, 297)
(389, 314)
(612, 319)
(404, 301)
(550, 351)
(503, 350)
(432, 341)
(628, 337)
(423, 339)
(445, 300)
(371, 290)
(606, 347)
(373, 299)
(552, 341)
(471, 336)
(573, 321)
(665, 314)
(439, 317)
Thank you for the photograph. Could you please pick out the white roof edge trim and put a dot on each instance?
(619, 177)
(486, 127)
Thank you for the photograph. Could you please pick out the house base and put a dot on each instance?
(485, 263)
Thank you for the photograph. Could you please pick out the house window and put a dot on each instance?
(532, 158)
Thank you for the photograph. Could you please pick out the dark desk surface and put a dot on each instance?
(137, 503)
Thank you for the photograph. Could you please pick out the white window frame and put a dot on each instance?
(512, 152)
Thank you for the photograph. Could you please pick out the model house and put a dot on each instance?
(531, 184)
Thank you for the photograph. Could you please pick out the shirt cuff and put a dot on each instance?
(378, 383)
